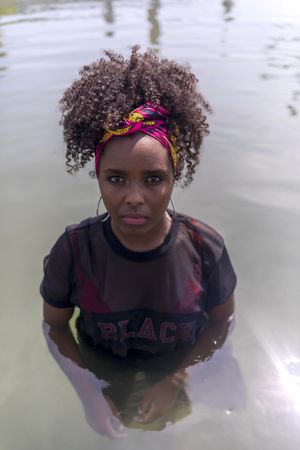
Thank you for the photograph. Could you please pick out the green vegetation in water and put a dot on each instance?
(8, 7)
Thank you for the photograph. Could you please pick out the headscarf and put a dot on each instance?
(148, 119)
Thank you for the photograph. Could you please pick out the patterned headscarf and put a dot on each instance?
(148, 119)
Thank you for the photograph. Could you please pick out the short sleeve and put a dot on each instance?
(221, 282)
(56, 284)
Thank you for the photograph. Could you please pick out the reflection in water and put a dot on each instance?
(293, 111)
(2, 53)
(108, 15)
(281, 59)
(112, 389)
(228, 6)
(289, 372)
(218, 383)
(296, 95)
(152, 17)
(278, 392)
(99, 414)
(8, 7)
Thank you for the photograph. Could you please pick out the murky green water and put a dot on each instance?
(246, 54)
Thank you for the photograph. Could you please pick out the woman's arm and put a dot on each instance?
(65, 351)
(59, 332)
(162, 395)
(214, 334)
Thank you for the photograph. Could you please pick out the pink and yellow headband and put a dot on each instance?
(148, 119)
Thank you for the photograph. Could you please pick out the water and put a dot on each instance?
(246, 55)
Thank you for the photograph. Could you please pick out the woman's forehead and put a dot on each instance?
(135, 151)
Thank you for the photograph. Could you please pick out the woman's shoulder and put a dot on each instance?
(205, 238)
(83, 226)
(79, 232)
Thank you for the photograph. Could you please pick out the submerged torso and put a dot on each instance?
(154, 301)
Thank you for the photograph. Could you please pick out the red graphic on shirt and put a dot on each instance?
(108, 330)
(187, 331)
(190, 301)
(167, 332)
(147, 330)
(164, 329)
(90, 298)
(124, 334)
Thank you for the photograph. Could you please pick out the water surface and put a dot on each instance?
(246, 56)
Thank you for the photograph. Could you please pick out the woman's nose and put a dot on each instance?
(134, 196)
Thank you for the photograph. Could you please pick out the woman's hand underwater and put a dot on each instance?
(161, 397)
(102, 416)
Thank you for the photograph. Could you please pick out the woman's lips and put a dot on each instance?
(134, 219)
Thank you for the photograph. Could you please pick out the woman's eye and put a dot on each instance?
(115, 179)
(154, 179)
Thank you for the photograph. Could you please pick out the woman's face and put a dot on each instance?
(136, 183)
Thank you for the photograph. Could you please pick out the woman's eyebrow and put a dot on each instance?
(115, 171)
(156, 171)
(147, 171)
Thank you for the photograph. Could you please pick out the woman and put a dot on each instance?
(148, 281)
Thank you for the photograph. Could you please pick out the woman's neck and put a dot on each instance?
(144, 242)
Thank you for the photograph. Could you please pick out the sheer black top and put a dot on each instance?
(156, 300)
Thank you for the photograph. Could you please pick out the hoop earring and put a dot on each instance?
(97, 211)
(173, 212)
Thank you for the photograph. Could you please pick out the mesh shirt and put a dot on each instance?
(155, 301)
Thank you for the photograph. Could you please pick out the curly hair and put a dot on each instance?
(111, 87)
